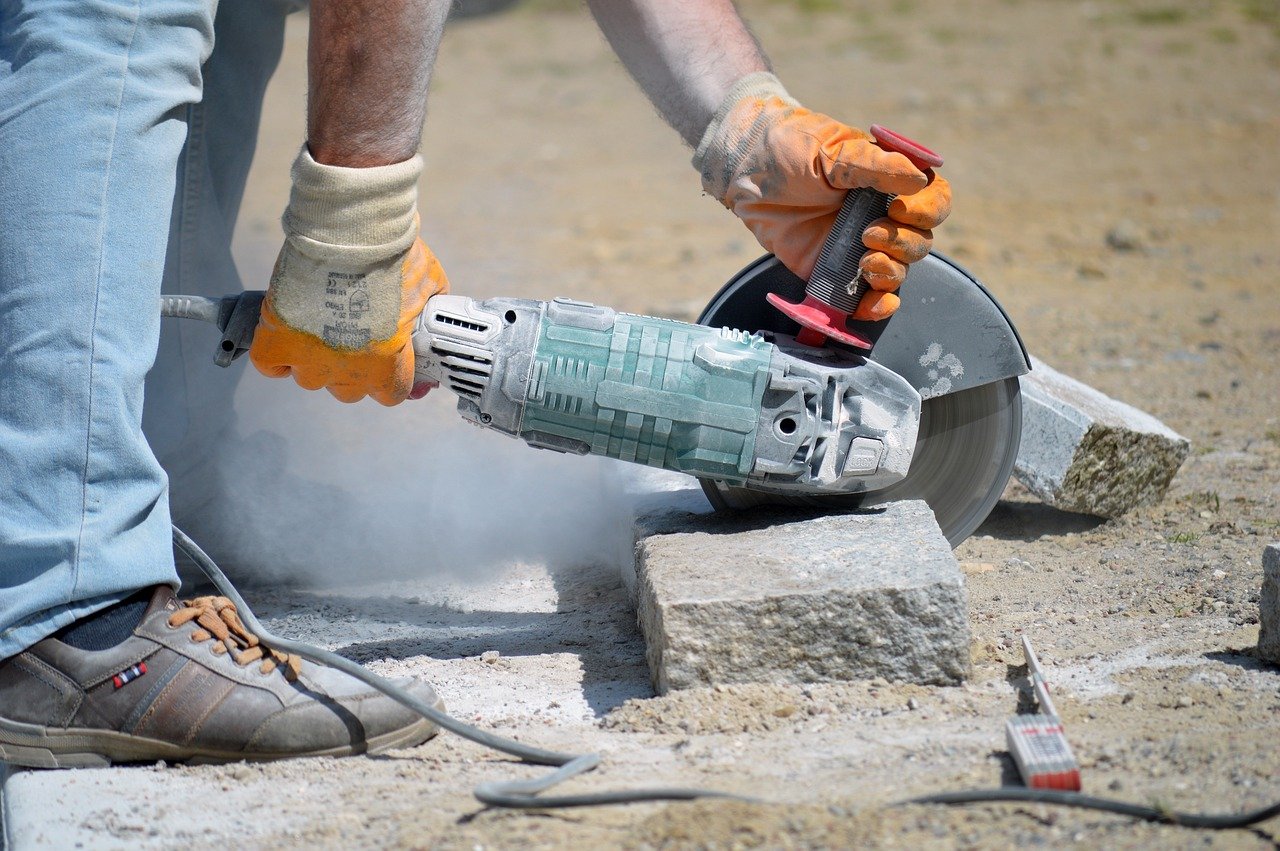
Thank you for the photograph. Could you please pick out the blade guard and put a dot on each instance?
(950, 334)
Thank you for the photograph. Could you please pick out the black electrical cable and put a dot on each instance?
(1110, 805)
(519, 794)
(524, 794)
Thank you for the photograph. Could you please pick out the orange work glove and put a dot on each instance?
(349, 283)
(785, 171)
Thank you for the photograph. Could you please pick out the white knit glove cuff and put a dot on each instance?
(355, 215)
(339, 275)
(724, 146)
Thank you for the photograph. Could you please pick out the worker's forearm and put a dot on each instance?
(369, 63)
(684, 54)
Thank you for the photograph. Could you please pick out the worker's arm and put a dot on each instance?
(781, 168)
(354, 274)
(368, 64)
(686, 56)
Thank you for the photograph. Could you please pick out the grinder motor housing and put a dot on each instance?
(720, 403)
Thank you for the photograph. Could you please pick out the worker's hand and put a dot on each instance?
(785, 171)
(349, 283)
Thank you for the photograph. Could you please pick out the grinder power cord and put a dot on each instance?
(526, 794)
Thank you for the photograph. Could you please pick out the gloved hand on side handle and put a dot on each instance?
(785, 170)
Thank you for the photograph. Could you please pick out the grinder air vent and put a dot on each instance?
(466, 371)
(459, 322)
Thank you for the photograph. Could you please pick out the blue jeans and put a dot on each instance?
(123, 155)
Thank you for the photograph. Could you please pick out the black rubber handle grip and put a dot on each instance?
(835, 279)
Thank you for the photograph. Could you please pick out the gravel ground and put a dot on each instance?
(1115, 171)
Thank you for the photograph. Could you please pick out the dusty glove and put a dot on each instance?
(785, 170)
(349, 283)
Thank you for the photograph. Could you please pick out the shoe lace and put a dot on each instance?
(218, 619)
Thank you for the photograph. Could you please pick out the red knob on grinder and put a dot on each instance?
(835, 287)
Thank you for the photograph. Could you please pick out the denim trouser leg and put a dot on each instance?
(188, 415)
(93, 101)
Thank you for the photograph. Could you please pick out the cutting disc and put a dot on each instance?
(968, 440)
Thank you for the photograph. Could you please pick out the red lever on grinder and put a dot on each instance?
(836, 287)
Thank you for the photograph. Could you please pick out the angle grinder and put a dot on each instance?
(772, 397)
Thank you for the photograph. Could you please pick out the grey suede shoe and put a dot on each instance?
(190, 685)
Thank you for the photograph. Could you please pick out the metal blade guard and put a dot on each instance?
(573, 377)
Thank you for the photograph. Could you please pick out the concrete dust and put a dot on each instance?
(358, 491)
(1115, 173)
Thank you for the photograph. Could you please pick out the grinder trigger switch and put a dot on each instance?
(836, 286)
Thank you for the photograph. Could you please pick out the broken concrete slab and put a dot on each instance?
(771, 597)
(1084, 451)
(1269, 606)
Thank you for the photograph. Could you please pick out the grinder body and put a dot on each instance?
(761, 413)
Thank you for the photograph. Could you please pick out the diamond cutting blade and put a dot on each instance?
(968, 439)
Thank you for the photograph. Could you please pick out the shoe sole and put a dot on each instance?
(33, 746)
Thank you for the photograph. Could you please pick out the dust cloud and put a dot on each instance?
(308, 491)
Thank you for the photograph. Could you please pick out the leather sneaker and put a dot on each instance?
(191, 684)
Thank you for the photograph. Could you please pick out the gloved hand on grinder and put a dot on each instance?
(349, 283)
(785, 170)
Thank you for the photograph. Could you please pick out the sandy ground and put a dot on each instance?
(1115, 173)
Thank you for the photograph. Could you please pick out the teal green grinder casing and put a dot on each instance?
(650, 391)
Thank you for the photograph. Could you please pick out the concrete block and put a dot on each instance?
(775, 598)
(1084, 451)
(1269, 606)
(662, 501)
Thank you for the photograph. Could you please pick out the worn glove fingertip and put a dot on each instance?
(345, 393)
(876, 306)
(265, 364)
(925, 209)
(392, 396)
(883, 283)
(903, 243)
(882, 272)
(308, 380)
(389, 398)
(276, 371)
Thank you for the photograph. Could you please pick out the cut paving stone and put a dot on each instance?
(1269, 606)
(1084, 451)
(768, 597)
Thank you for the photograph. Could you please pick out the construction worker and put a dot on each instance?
(125, 139)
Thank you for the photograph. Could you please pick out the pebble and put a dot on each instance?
(913, 704)
(1125, 236)
(490, 657)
